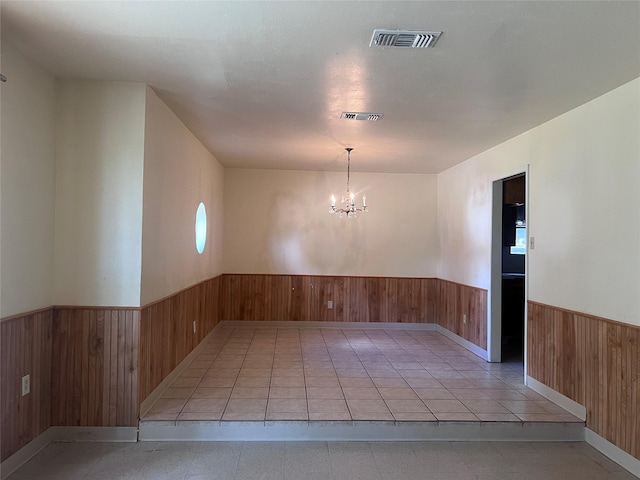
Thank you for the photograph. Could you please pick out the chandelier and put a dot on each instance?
(348, 199)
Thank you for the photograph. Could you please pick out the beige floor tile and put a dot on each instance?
(497, 417)
(406, 406)
(504, 394)
(356, 382)
(522, 406)
(182, 382)
(319, 372)
(397, 393)
(445, 406)
(550, 406)
(193, 373)
(160, 416)
(286, 416)
(548, 417)
(484, 406)
(361, 393)
(287, 372)
(254, 372)
(287, 382)
(457, 383)
(287, 392)
(211, 392)
(280, 405)
(217, 382)
(215, 372)
(200, 364)
(470, 393)
(423, 383)
(448, 374)
(168, 405)
(203, 416)
(178, 392)
(212, 405)
(388, 382)
(352, 373)
(324, 392)
(358, 405)
(250, 392)
(327, 406)
(371, 416)
(456, 416)
(330, 416)
(383, 373)
(434, 394)
(414, 416)
(243, 416)
(246, 405)
(322, 382)
(254, 382)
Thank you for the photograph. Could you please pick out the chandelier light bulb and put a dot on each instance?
(350, 209)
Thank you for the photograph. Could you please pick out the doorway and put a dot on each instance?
(508, 277)
(514, 243)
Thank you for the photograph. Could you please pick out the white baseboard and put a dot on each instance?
(556, 397)
(66, 434)
(342, 325)
(472, 347)
(95, 434)
(175, 373)
(26, 453)
(616, 454)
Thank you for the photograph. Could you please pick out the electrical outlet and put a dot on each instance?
(26, 385)
(330, 304)
(194, 326)
(464, 318)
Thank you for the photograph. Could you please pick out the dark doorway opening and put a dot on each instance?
(514, 227)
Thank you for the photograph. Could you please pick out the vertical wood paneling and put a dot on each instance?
(593, 361)
(304, 298)
(454, 301)
(25, 348)
(166, 333)
(95, 379)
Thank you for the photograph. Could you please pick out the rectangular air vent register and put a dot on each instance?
(404, 38)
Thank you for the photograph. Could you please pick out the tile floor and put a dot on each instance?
(321, 461)
(320, 374)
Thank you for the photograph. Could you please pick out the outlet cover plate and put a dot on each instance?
(26, 385)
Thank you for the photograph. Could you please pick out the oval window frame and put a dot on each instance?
(201, 228)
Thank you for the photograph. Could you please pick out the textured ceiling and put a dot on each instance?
(262, 84)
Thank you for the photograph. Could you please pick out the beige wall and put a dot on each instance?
(584, 208)
(98, 224)
(179, 173)
(27, 173)
(278, 222)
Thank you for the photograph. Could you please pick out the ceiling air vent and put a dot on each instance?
(372, 117)
(404, 38)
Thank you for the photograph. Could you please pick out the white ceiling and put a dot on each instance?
(262, 84)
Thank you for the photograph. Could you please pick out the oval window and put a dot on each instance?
(201, 228)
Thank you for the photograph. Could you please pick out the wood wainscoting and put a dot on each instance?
(25, 348)
(304, 298)
(593, 361)
(456, 300)
(95, 366)
(166, 331)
